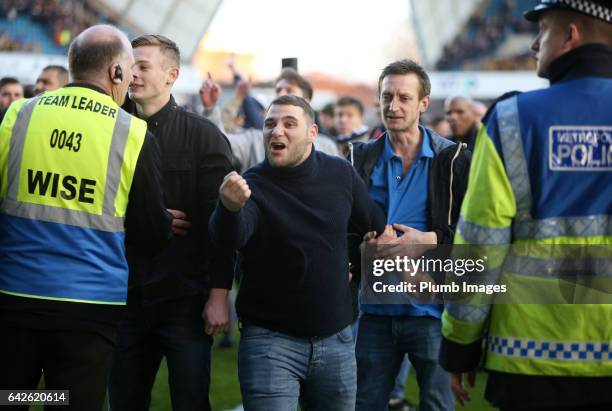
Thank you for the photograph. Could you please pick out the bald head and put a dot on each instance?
(102, 55)
(458, 98)
(460, 115)
(92, 51)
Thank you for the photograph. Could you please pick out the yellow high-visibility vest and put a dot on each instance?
(67, 160)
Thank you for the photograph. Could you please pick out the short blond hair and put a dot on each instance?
(166, 46)
(592, 29)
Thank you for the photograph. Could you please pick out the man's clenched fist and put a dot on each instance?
(234, 191)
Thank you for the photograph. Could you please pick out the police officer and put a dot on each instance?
(534, 182)
(78, 175)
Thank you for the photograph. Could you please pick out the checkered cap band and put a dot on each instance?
(588, 7)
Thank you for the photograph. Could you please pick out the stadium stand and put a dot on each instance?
(45, 26)
(496, 37)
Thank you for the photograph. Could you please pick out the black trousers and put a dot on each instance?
(70, 360)
(172, 329)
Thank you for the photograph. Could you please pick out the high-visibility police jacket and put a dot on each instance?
(67, 160)
(541, 174)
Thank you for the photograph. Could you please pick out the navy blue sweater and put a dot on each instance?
(293, 237)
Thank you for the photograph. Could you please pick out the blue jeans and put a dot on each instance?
(173, 329)
(400, 380)
(381, 345)
(277, 370)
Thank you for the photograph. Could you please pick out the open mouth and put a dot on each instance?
(277, 147)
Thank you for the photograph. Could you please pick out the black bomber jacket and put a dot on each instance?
(195, 158)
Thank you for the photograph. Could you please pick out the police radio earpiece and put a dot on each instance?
(118, 73)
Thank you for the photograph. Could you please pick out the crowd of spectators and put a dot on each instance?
(18, 43)
(521, 62)
(484, 31)
(63, 18)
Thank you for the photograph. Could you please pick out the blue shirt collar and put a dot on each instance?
(426, 150)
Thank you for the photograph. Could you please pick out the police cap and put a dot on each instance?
(600, 9)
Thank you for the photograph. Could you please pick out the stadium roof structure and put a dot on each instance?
(184, 21)
(438, 22)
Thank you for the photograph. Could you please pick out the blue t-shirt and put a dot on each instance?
(404, 197)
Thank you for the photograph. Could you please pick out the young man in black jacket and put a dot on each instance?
(419, 179)
(178, 299)
(289, 216)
